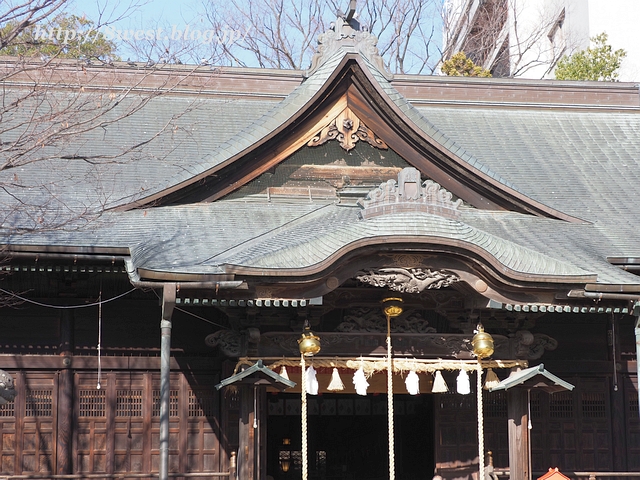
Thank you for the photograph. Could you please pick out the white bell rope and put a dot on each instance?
(480, 424)
(392, 456)
(303, 416)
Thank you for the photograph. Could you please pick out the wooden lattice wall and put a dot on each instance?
(115, 428)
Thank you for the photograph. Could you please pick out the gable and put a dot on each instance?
(348, 89)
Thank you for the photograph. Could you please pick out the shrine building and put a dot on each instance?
(180, 228)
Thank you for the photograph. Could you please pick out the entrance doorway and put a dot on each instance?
(348, 437)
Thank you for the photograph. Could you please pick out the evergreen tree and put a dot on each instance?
(597, 63)
(461, 66)
(63, 36)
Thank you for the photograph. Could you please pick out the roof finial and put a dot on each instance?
(349, 17)
(345, 33)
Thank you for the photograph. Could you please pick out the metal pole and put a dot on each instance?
(168, 303)
(165, 359)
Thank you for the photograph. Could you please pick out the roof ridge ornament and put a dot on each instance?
(347, 34)
(409, 194)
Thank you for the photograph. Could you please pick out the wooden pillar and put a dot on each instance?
(64, 463)
(518, 410)
(247, 433)
(261, 403)
(252, 450)
(229, 407)
(618, 404)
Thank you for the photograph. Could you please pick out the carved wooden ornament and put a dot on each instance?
(347, 129)
(411, 280)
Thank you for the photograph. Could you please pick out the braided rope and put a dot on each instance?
(480, 425)
(392, 459)
(303, 415)
(372, 365)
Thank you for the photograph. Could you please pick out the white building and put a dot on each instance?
(526, 38)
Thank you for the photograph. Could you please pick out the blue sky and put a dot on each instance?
(171, 17)
(139, 13)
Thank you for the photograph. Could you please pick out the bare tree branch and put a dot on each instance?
(283, 33)
(508, 37)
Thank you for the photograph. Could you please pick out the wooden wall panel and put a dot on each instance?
(570, 430)
(594, 424)
(633, 424)
(118, 426)
(28, 426)
(8, 438)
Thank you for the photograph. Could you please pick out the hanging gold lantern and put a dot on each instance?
(482, 343)
(308, 343)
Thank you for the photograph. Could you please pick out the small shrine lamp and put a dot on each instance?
(309, 345)
(483, 347)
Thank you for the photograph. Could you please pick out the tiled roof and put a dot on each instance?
(582, 162)
(211, 238)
